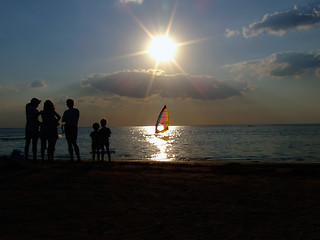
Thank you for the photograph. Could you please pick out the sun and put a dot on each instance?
(162, 48)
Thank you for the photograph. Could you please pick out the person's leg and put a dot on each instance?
(49, 152)
(108, 152)
(98, 154)
(68, 132)
(71, 134)
(70, 149)
(74, 143)
(102, 153)
(93, 153)
(43, 148)
(76, 150)
(51, 148)
(34, 147)
(26, 147)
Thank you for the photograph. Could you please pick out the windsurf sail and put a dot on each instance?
(162, 124)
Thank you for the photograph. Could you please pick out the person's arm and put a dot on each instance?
(78, 114)
(57, 116)
(63, 117)
(37, 118)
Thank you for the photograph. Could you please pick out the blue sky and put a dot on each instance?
(237, 62)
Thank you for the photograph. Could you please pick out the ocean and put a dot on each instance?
(265, 143)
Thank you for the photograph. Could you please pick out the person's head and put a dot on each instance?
(70, 103)
(35, 102)
(103, 122)
(48, 106)
(95, 126)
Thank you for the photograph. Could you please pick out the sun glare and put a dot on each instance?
(162, 48)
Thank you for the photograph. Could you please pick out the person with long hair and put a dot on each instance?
(49, 129)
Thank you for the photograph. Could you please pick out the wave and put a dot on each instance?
(11, 138)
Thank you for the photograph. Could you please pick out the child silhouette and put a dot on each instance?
(95, 141)
(105, 133)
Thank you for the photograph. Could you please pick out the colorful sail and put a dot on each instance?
(162, 124)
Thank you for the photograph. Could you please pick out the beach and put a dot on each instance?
(160, 200)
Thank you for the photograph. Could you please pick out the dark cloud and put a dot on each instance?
(146, 83)
(279, 23)
(39, 83)
(282, 65)
(294, 64)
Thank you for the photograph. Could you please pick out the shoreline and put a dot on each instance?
(4, 158)
(160, 200)
(229, 143)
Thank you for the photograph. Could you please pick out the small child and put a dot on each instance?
(95, 141)
(105, 133)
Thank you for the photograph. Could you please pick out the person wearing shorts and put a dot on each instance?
(70, 118)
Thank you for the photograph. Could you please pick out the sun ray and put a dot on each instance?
(188, 77)
(171, 18)
(128, 55)
(152, 78)
(158, 60)
(181, 69)
(168, 29)
(194, 41)
(144, 28)
(150, 83)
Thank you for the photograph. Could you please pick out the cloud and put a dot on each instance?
(280, 65)
(231, 33)
(131, 1)
(6, 89)
(279, 23)
(318, 72)
(38, 83)
(146, 83)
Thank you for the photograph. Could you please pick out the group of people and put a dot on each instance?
(100, 140)
(47, 128)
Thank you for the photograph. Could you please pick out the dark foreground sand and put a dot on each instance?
(141, 200)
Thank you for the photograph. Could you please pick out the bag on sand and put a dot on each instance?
(16, 159)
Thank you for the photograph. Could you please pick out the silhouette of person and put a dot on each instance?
(95, 141)
(70, 118)
(48, 129)
(32, 128)
(105, 133)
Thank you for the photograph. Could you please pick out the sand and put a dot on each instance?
(160, 200)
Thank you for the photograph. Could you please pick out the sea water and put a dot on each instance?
(280, 143)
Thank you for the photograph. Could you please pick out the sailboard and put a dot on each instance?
(162, 123)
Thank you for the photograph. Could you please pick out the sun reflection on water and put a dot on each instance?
(161, 142)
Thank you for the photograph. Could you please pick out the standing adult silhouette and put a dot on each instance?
(71, 118)
(48, 129)
(32, 128)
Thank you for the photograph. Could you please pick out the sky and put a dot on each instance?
(235, 62)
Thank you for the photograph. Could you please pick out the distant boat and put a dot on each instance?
(162, 123)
